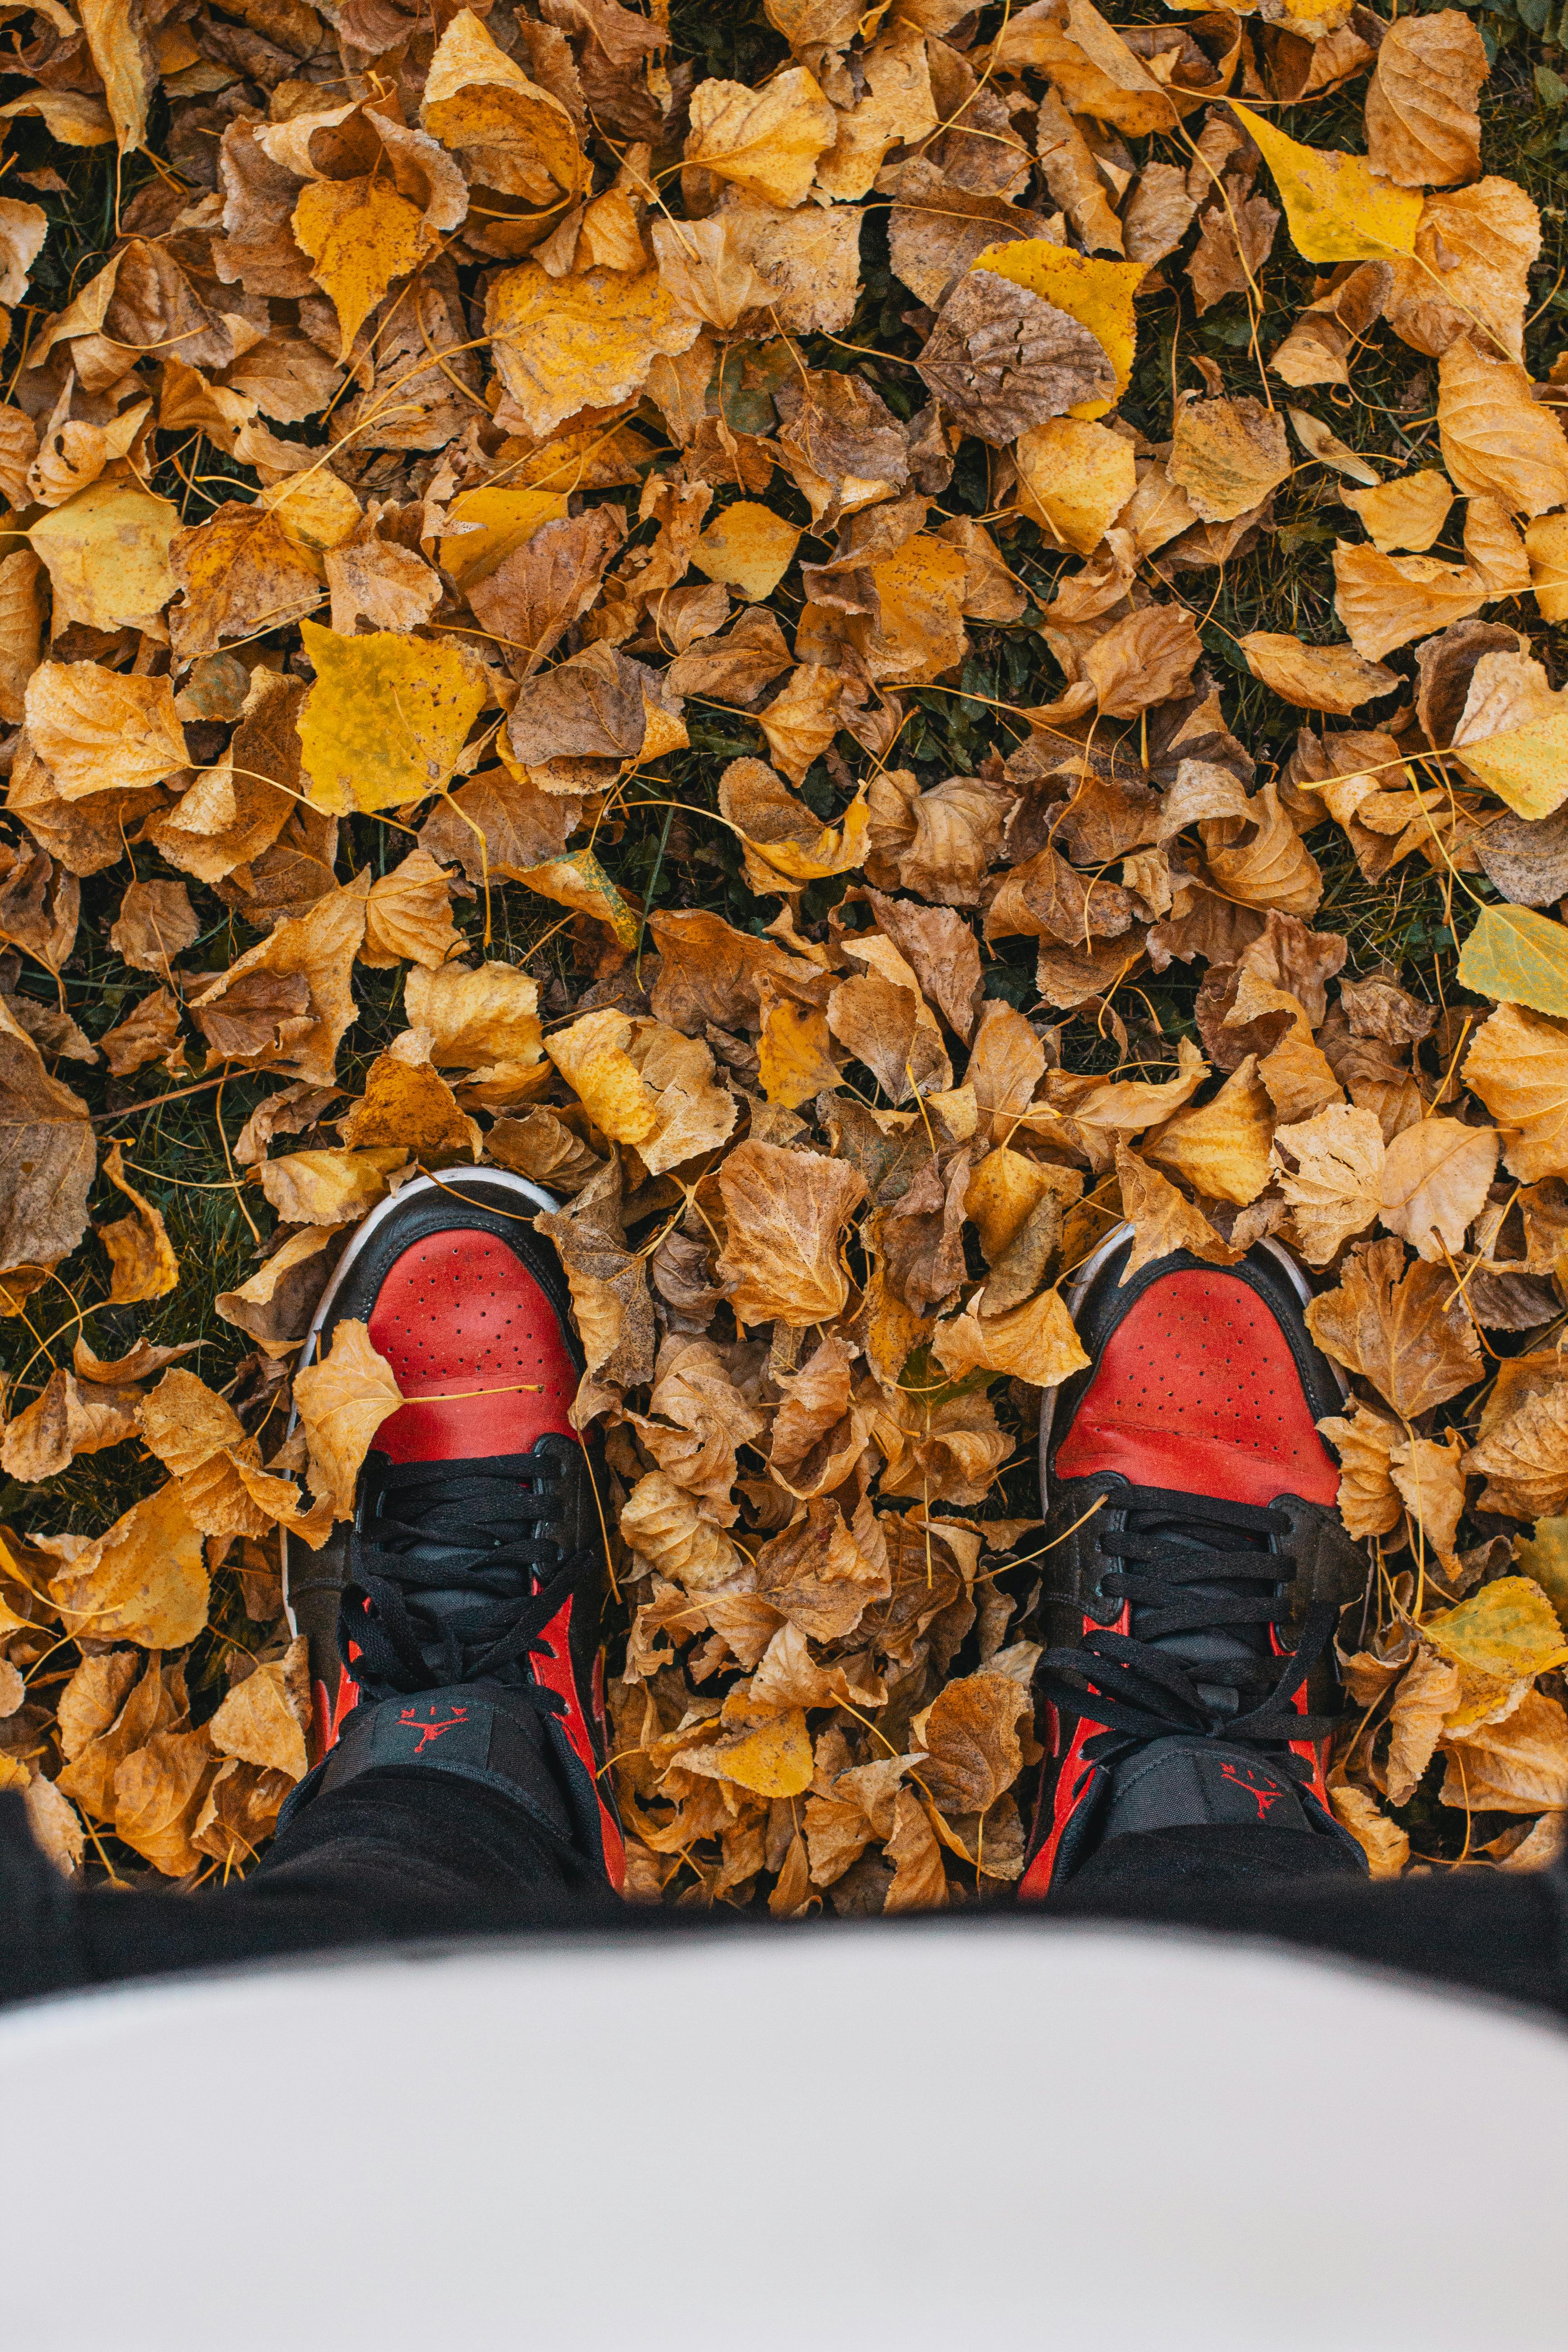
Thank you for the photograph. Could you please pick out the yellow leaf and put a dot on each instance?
(794, 1054)
(385, 720)
(1073, 479)
(782, 835)
(1508, 1629)
(920, 591)
(144, 1580)
(406, 1107)
(592, 1057)
(1518, 957)
(99, 730)
(1409, 512)
(1543, 1557)
(117, 45)
(1384, 1842)
(1315, 678)
(1338, 209)
(322, 1188)
(749, 548)
(1546, 544)
(315, 510)
(1221, 1148)
(342, 1403)
(359, 236)
(1526, 766)
(106, 551)
(496, 522)
(767, 141)
(259, 1722)
(1035, 1342)
(578, 880)
(144, 1264)
(476, 97)
(1097, 293)
(774, 1761)
(588, 341)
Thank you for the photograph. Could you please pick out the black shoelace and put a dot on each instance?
(459, 1573)
(1202, 1580)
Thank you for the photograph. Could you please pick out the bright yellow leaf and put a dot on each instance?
(1073, 479)
(749, 548)
(566, 343)
(1339, 210)
(359, 236)
(1518, 957)
(493, 521)
(385, 720)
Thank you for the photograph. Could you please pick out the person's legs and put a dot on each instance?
(1196, 1561)
(463, 1790)
(1194, 1565)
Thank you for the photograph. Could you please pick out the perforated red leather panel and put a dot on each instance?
(464, 1326)
(1197, 1391)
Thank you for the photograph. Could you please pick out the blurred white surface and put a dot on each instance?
(951, 2136)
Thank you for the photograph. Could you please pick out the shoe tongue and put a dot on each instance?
(1180, 1530)
(1179, 1784)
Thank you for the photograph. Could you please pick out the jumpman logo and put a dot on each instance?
(431, 1730)
(1264, 1796)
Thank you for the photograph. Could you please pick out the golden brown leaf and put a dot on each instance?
(786, 1211)
(141, 1254)
(342, 1401)
(145, 1580)
(1421, 127)
(1403, 1329)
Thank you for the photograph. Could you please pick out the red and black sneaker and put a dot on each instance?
(1196, 1565)
(455, 1621)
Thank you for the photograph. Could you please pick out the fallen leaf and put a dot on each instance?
(1001, 358)
(261, 1721)
(1384, 1842)
(142, 1257)
(360, 235)
(562, 345)
(1035, 1343)
(385, 720)
(145, 1580)
(47, 1155)
(1518, 1766)
(1496, 441)
(1518, 1064)
(328, 1188)
(786, 1211)
(767, 142)
(1409, 512)
(1220, 1148)
(1227, 456)
(98, 731)
(1434, 1182)
(749, 548)
(342, 1401)
(1421, 127)
(1336, 206)
(1519, 957)
(1315, 678)
(1403, 1329)
(1331, 1172)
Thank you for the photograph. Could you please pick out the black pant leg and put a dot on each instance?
(394, 1857)
(1504, 1933)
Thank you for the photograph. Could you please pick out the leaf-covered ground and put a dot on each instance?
(864, 643)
